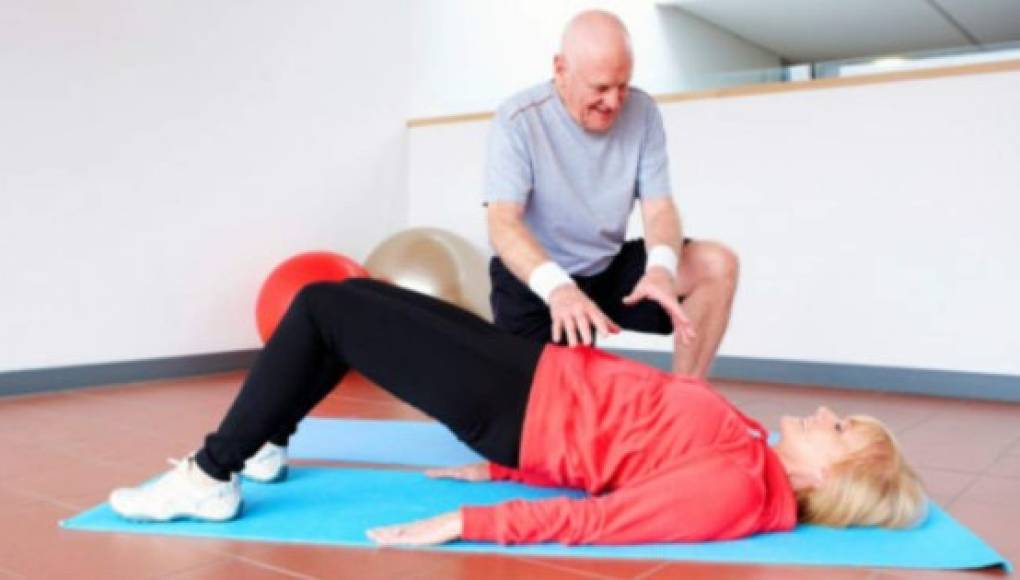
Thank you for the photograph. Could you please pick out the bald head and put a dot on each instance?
(595, 33)
(592, 70)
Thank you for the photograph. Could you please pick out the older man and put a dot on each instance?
(567, 159)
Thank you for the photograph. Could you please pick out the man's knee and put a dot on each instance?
(725, 265)
(714, 262)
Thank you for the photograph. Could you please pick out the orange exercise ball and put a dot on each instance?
(287, 279)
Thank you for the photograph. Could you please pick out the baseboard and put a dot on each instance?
(964, 385)
(72, 377)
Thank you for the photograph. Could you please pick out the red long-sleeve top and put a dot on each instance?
(664, 459)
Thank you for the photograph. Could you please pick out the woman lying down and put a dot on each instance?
(663, 457)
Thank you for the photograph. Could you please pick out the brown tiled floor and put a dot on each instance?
(64, 452)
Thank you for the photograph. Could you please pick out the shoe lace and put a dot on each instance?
(189, 463)
(168, 477)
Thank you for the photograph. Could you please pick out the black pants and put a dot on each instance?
(445, 361)
(520, 311)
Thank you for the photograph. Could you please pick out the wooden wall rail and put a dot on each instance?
(779, 87)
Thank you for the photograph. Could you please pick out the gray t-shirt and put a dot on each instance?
(578, 188)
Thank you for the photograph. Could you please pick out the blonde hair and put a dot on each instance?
(873, 486)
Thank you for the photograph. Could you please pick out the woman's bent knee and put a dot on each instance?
(326, 292)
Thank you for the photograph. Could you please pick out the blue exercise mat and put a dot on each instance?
(420, 443)
(334, 506)
(424, 443)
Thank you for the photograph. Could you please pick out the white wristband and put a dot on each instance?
(547, 277)
(663, 255)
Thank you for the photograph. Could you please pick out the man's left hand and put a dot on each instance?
(437, 530)
(658, 285)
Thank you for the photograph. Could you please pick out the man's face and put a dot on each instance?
(594, 88)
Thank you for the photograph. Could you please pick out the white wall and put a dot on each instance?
(876, 224)
(468, 55)
(157, 159)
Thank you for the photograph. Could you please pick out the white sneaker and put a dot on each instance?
(185, 492)
(269, 465)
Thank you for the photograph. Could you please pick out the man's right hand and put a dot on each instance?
(574, 314)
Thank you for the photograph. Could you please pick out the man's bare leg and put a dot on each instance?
(708, 278)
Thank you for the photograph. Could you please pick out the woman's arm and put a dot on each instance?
(708, 499)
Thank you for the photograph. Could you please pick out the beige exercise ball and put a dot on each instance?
(435, 262)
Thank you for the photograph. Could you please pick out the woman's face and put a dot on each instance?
(816, 442)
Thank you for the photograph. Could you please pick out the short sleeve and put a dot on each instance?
(508, 168)
(653, 165)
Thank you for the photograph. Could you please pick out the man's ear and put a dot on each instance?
(559, 65)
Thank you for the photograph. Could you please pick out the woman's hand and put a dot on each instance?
(471, 472)
(438, 530)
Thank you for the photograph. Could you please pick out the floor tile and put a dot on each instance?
(365, 409)
(944, 486)
(993, 490)
(234, 569)
(333, 562)
(74, 477)
(97, 439)
(132, 449)
(1007, 465)
(468, 567)
(34, 546)
(957, 455)
(13, 497)
(357, 386)
(602, 568)
(79, 502)
(20, 460)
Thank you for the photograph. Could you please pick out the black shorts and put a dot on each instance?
(519, 310)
